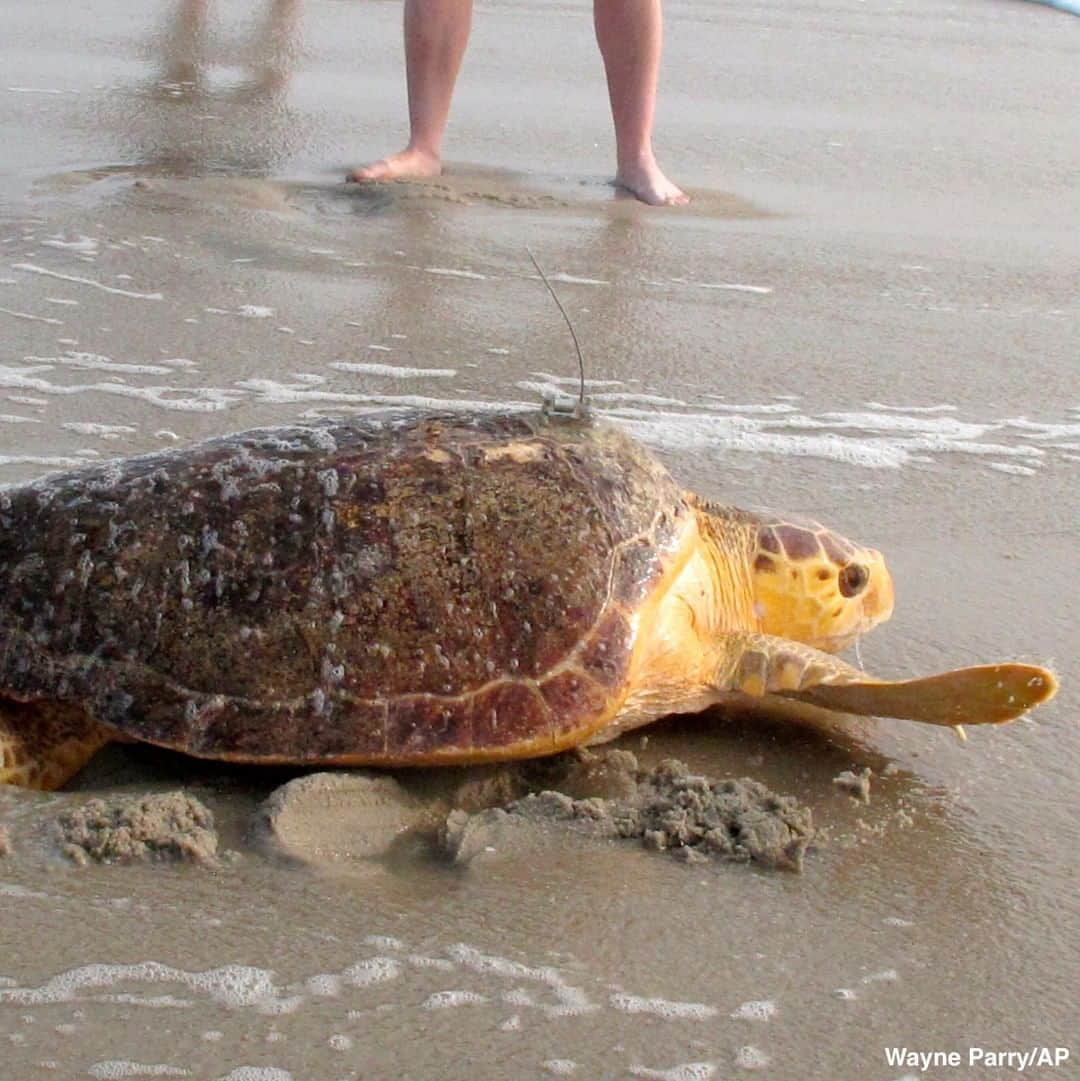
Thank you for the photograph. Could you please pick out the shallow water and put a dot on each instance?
(868, 315)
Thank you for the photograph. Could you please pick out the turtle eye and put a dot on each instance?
(853, 579)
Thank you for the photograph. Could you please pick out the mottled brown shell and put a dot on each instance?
(391, 589)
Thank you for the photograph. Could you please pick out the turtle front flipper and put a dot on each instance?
(984, 694)
(44, 744)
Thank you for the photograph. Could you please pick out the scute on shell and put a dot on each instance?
(377, 589)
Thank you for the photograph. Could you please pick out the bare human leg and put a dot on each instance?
(436, 33)
(630, 36)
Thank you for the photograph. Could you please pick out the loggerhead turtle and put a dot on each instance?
(421, 589)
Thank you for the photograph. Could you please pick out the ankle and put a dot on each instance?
(640, 160)
(424, 149)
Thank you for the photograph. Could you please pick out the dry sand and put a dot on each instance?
(867, 315)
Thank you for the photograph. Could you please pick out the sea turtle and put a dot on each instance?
(421, 588)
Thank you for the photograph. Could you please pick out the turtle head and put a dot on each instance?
(816, 587)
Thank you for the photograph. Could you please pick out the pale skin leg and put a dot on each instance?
(630, 36)
(436, 33)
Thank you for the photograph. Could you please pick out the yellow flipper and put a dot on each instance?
(985, 694)
(44, 744)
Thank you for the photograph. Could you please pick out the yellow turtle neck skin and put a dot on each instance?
(681, 641)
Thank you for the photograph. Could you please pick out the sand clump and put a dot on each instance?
(166, 826)
(334, 817)
(356, 817)
(5, 842)
(668, 808)
(855, 784)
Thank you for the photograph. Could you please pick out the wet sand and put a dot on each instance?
(869, 315)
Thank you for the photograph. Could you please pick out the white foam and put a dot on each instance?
(32, 318)
(96, 362)
(105, 431)
(83, 245)
(473, 959)
(912, 408)
(118, 1068)
(541, 390)
(897, 422)
(734, 287)
(889, 975)
(56, 461)
(23, 399)
(572, 380)
(152, 1002)
(230, 985)
(257, 1073)
(662, 1007)
(384, 942)
(571, 279)
(751, 1058)
(325, 984)
(569, 1000)
(687, 1071)
(697, 432)
(372, 971)
(193, 400)
(438, 963)
(560, 1067)
(763, 1010)
(766, 408)
(14, 418)
(449, 272)
(13, 889)
(394, 371)
(442, 1000)
(639, 399)
(271, 392)
(1030, 429)
(340, 1043)
(31, 268)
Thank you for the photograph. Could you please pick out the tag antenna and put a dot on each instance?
(569, 326)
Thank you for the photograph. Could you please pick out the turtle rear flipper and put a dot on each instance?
(45, 743)
(984, 694)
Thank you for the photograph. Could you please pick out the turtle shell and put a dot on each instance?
(399, 588)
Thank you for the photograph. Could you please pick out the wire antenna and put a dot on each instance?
(569, 326)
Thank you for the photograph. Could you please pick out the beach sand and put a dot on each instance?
(868, 314)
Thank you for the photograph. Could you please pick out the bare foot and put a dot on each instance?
(409, 163)
(645, 181)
